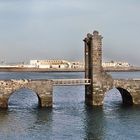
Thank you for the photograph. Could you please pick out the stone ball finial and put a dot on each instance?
(95, 32)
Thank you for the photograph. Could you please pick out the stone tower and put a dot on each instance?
(94, 93)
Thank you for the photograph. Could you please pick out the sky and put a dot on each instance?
(55, 29)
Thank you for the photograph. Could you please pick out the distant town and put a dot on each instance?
(64, 65)
(47, 64)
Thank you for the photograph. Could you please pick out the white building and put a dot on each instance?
(115, 64)
(77, 64)
(50, 63)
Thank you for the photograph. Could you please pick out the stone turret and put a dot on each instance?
(96, 44)
(100, 81)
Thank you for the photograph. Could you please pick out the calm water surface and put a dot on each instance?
(70, 118)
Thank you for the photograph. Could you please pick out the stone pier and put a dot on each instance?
(101, 82)
(42, 88)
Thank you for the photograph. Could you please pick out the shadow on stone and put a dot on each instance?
(126, 97)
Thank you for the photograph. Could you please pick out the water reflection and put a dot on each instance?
(119, 118)
(94, 123)
(101, 122)
(25, 124)
(68, 113)
(24, 119)
(41, 127)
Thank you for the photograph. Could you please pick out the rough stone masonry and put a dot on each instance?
(42, 88)
(101, 82)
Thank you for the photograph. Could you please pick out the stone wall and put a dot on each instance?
(131, 86)
(42, 88)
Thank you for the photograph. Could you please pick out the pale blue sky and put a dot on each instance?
(54, 29)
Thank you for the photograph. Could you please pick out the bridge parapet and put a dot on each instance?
(42, 88)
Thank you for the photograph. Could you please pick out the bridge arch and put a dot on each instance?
(42, 88)
(23, 89)
(16, 89)
(126, 96)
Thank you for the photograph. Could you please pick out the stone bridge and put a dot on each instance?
(97, 82)
(129, 89)
(42, 88)
(101, 82)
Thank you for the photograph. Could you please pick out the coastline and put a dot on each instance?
(27, 69)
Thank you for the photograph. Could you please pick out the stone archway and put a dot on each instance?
(43, 89)
(112, 96)
(126, 96)
(23, 97)
(118, 94)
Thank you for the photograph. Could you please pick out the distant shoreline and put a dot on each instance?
(122, 69)
(27, 69)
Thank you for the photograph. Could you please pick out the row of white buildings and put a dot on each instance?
(63, 64)
(55, 64)
(115, 64)
(68, 64)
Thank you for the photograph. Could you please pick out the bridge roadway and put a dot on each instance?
(70, 82)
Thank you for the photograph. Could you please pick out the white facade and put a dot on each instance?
(115, 64)
(77, 64)
(50, 63)
(56, 64)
